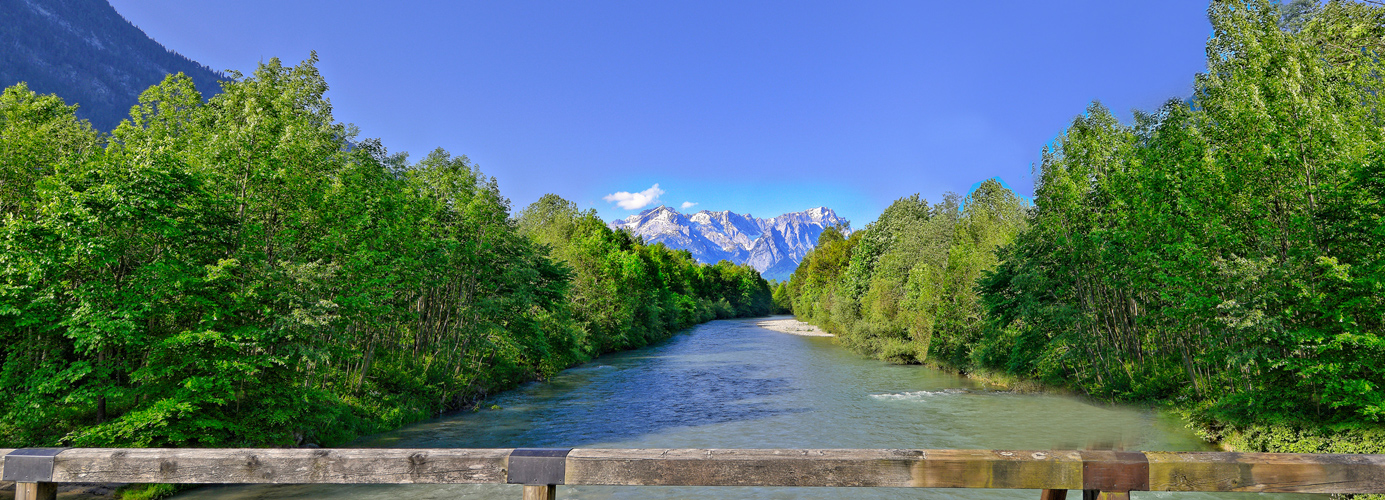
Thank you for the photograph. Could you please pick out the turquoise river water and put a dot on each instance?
(731, 384)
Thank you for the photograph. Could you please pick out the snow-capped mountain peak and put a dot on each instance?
(773, 246)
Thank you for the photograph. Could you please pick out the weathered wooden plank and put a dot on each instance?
(1106, 470)
(1266, 472)
(35, 491)
(1053, 495)
(916, 468)
(3, 452)
(540, 492)
(340, 466)
(1050, 470)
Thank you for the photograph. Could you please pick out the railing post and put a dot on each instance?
(35, 491)
(1112, 475)
(540, 470)
(31, 469)
(1091, 495)
(540, 491)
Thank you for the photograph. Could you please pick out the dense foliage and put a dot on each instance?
(1226, 252)
(626, 294)
(240, 271)
(903, 289)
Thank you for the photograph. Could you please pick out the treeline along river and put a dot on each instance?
(245, 271)
(731, 384)
(1224, 254)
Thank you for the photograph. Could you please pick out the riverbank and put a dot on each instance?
(1006, 382)
(732, 384)
(793, 327)
(1255, 437)
(1242, 437)
(361, 429)
(729, 384)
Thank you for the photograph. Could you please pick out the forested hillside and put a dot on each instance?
(242, 271)
(86, 53)
(1225, 253)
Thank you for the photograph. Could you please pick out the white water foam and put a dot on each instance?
(580, 369)
(918, 395)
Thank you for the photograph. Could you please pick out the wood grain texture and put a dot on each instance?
(540, 492)
(339, 466)
(1048, 470)
(35, 491)
(895, 468)
(1107, 470)
(1266, 472)
(1053, 495)
(3, 452)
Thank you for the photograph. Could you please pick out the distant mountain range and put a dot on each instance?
(87, 54)
(773, 246)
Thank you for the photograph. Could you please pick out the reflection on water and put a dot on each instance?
(730, 384)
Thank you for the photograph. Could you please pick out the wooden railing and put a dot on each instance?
(1109, 475)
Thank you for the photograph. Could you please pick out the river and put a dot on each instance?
(731, 384)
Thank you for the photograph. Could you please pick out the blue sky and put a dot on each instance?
(758, 107)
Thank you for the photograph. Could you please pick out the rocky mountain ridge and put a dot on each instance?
(772, 246)
(88, 54)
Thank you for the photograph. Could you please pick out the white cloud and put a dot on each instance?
(688, 204)
(635, 201)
